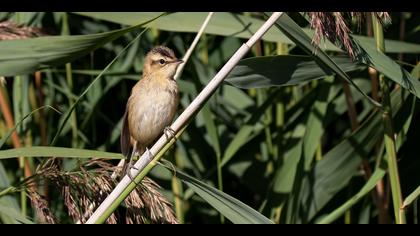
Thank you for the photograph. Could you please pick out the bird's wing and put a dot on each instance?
(125, 136)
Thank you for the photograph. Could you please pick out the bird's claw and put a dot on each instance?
(131, 166)
(169, 133)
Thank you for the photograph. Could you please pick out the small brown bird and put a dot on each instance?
(152, 104)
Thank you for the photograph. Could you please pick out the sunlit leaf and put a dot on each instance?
(27, 55)
(57, 152)
(225, 24)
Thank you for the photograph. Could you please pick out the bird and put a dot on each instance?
(151, 106)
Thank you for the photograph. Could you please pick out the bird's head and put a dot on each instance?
(162, 62)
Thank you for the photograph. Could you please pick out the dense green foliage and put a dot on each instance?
(285, 138)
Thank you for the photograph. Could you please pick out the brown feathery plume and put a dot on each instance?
(41, 206)
(318, 23)
(10, 30)
(147, 200)
(79, 189)
(87, 188)
(333, 26)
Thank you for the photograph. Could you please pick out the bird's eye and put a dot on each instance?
(161, 61)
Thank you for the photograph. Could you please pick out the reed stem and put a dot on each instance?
(389, 135)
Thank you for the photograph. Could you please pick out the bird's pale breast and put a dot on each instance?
(152, 107)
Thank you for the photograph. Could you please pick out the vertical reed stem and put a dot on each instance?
(69, 77)
(389, 135)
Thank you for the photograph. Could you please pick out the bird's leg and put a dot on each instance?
(169, 133)
(130, 163)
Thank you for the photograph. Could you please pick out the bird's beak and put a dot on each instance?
(177, 61)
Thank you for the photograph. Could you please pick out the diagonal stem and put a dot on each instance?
(193, 45)
(177, 75)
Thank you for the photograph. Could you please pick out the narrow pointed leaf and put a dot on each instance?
(284, 70)
(57, 152)
(412, 197)
(298, 36)
(370, 184)
(233, 209)
(381, 62)
(226, 24)
(27, 55)
(316, 122)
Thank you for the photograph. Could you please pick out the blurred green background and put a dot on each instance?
(282, 135)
